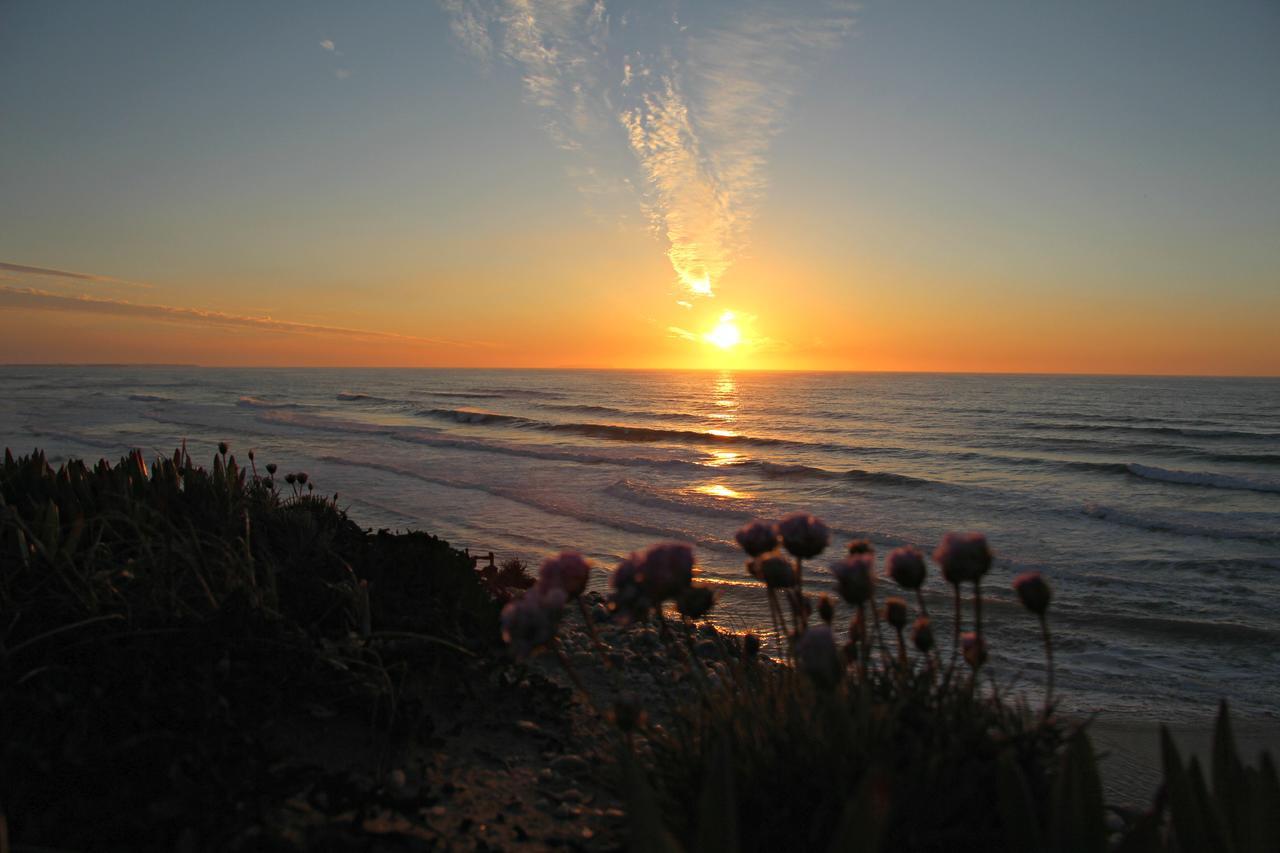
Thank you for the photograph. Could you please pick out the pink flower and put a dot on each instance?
(974, 648)
(776, 571)
(1034, 591)
(895, 612)
(963, 557)
(666, 569)
(817, 656)
(695, 602)
(758, 537)
(922, 634)
(529, 622)
(906, 566)
(567, 571)
(629, 601)
(804, 535)
(855, 577)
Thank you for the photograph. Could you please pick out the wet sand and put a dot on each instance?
(1129, 752)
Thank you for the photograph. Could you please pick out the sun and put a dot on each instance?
(725, 335)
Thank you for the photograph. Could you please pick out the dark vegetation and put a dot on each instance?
(161, 625)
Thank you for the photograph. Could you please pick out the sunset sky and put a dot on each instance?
(980, 186)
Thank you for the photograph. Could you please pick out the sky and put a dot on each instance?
(1086, 187)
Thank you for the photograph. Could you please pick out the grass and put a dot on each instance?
(159, 619)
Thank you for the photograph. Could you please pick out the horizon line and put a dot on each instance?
(569, 368)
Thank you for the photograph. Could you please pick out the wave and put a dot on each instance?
(779, 470)
(466, 395)
(1208, 524)
(434, 438)
(256, 403)
(650, 434)
(470, 416)
(551, 507)
(356, 397)
(614, 432)
(683, 501)
(589, 409)
(1190, 432)
(499, 393)
(1202, 478)
(148, 398)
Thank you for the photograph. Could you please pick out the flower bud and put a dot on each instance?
(223, 448)
(629, 601)
(750, 646)
(695, 602)
(529, 622)
(817, 656)
(922, 634)
(290, 478)
(855, 577)
(826, 610)
(906, 566)
(758, 537)
(567, 571)
(272, 468)
(777, 571)
(666, 569)
(855, 628)
(963, 557)
(804, 535)
(974, 648)
(1034, 591)
(861, 546)
(895, 612)
(303, 477)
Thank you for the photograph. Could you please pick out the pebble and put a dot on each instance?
(569, 765)
(566, 811)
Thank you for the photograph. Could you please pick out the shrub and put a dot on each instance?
(158, 619)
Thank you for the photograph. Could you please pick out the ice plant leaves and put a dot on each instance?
(863, 822)
(644, 817)
(1017, 808)
(1078, 824)
(717, 807)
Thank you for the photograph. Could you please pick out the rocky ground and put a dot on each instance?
(517, 759)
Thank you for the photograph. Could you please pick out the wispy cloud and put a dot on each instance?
(42, 300)
(25, 270)
(695, 103)
(328, 45)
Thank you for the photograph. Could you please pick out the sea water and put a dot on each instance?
(1152, 504)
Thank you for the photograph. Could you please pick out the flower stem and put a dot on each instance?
(570, 671)
(594, 634)
(1048, 654)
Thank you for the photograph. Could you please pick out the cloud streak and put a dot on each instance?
(25, 270)
(32, 299)
(695, 103)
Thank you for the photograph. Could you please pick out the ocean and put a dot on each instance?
(1151, 504)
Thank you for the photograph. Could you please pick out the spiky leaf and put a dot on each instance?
(1077, 821)
(1017, 808)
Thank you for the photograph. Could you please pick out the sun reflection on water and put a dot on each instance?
(719, 490)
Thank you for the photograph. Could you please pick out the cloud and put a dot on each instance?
(42, 300)
(695, 103)
(342, 73)
(328, 45)
(78, 276)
